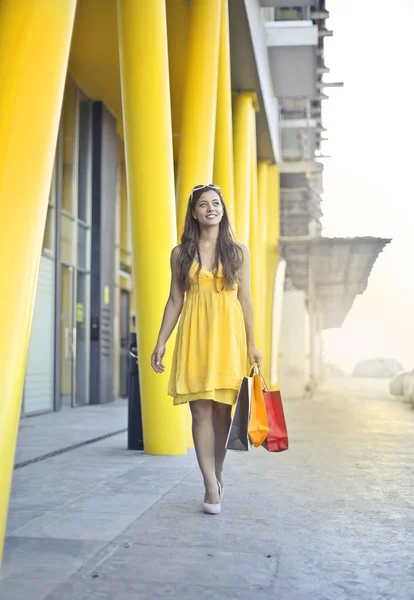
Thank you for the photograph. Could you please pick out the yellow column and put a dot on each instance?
(273, 234)
(243, 108)
(34, 50)
(199, 103)
(223, 154)
(150, 177)
(262, 184)
(254, 239)
(266, 325)
(178, 12)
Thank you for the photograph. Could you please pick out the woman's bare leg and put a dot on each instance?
(221, 422)
(204, 443)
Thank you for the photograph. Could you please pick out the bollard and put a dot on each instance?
(135, 435)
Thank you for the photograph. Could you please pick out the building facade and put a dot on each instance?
(78, 347)
(112, 112)
(79, 340)
(256, 113)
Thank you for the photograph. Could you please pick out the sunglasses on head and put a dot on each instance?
(212, 186)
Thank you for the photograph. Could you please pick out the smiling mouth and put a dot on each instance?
(210, 216)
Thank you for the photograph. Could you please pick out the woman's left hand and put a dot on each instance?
(255, 356)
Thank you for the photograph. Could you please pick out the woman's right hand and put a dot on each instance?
(156, 358)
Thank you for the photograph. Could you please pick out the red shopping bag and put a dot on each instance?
(277, 438)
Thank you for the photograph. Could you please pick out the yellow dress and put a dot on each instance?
(210, 355)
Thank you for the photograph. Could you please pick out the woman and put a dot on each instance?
(210, 289)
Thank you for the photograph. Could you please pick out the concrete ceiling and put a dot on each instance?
(288, 3)
(250, 71)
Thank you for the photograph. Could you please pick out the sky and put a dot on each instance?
(367, 180)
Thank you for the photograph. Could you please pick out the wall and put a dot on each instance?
(287, 3)
(294, 345)
(293, 71)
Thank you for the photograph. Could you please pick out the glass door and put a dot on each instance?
(83, 245)
(125, 343)
(81, 391)
(75, 242)
(67, 337)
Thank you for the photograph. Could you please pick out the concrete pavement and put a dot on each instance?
(53, 432)
(330, 518)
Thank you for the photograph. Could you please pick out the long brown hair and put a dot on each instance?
(227, 252)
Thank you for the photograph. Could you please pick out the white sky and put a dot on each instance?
(368, 179)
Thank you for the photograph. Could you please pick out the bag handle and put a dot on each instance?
(256, 371)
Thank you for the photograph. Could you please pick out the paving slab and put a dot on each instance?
(103, 589)
(42, 434)
(70, 525)
(37, 558)
(209, 567)
(19, 588)
(19, 517)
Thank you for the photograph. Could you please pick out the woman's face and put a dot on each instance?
(208, 210)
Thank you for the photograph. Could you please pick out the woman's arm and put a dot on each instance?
(245, 299)
(172, 313)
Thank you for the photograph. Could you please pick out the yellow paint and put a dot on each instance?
(178, 13)
(242, 147)
(262, 183)
(94, 55)
(106, 295)
(266, 324)
(254, 239)
(273, 233)
(199, 102)
(125, 232)
(273, 207)
(34, 49)
(223, 152)
(150, 176)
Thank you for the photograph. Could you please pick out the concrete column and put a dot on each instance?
(266, 292)
(255, 242)
(294, 345)
(262, 185)
(178, 13)
(34, 50)
(223, 153)
(198, 123)
(312, 342)
(277, 316)
(150, 175)
(316, 347)
(272, 259)
(243, 108)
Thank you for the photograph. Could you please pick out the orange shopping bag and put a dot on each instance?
(258, 423)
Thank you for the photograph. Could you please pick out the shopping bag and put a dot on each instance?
(238, 437)
(258, 422)
(277, 438)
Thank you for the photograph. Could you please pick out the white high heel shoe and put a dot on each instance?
(213, 509)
